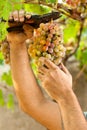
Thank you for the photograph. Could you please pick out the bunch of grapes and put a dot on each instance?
(80, 6)
(5, 49)
(47, 42)
(73, 3)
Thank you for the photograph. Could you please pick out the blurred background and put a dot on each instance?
(73, 21)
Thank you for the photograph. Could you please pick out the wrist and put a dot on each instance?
(14, 45)
(18, 49)
(67, 98)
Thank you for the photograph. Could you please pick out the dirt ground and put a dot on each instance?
(15, 120)
(18, 120)
(80, 87)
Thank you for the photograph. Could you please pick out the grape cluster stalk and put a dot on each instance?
(47, 42)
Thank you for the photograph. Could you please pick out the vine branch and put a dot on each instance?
(72, 13)
(79, 74)
(78, 37)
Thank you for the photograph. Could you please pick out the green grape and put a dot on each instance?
(50, 50)
(48, 56)
(56, 50)
(5, 48)
(38, 53)
(80, 9)
(44, 54)
(57, 61)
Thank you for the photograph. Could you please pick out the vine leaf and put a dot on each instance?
(2, 102)
(10, 102)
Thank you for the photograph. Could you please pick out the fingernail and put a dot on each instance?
(28, 16)
(22, 19)
(16, 19)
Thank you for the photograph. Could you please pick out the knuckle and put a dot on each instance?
(55, 69)
(15, 12)
(21, 12)
(45, 60)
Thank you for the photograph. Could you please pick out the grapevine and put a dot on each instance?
(46, 42)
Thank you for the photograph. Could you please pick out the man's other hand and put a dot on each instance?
(57, 82)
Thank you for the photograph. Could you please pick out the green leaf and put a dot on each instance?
(51, 1)
(10, 102)
(34, 67)
(36, 9)
(1, 59)
(7, 8)
(17, 5)
(71, 30)
(6, 77)
(3, 31)
(84, 57)
(2, 102)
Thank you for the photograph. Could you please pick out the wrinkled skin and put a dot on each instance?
(57, 82)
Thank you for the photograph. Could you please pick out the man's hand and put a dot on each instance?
(57, 82)
(17, 36)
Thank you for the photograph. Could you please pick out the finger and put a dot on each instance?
(11, 16)
(60, 66)
(40, 76)
(21, 15)
(48, 63)
(64, 69)
(16, 15)
(42, 69)
(28, 15)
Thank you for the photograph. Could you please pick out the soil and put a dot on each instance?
(17, 120)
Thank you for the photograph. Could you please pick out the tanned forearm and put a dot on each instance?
(24, 81)
(72, 115)
(30, 96)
